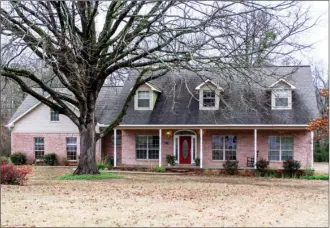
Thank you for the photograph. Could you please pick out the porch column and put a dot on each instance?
(312, 149)
(160, 147)
(115, 147)
(255, 148)
(201, 148)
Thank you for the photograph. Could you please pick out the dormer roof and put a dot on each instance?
(211, 82)
(283, 81)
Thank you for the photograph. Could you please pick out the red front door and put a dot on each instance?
(185, 149)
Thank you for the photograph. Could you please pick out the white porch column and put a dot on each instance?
(255, 148)
(160, 147)
(115, 147)
(201, 148)
(312, 150)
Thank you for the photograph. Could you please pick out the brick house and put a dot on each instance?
(189, 116)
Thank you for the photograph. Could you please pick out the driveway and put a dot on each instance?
(151, 200)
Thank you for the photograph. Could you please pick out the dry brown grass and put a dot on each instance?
(152, 200)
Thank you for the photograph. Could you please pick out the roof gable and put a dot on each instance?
(282, 81)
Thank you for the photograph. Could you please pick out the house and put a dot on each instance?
(206, 115)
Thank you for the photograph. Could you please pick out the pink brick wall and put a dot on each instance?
(54, 143)
(245, 146)
(108, 149)
(301, 145)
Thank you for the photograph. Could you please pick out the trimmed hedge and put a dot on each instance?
(50, 159)
(18, 158)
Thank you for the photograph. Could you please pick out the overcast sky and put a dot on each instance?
(318, 34)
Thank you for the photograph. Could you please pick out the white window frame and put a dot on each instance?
(35, 144)
(280, 150)
(71, 144)
(136, 100)
(223, 148)
(147, 148)
(201, 98)
(289, 97)
(52, 111)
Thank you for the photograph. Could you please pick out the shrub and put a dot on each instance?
(230, 167)
(291, 166)
(321, 152)
(197, 161)
(308, 172)
(170, 160)
(4, 159)
(262, 166)
(50, 159)
(101, 165)
(13, 175)
(109, 161)
(18, 158)
(159, 169)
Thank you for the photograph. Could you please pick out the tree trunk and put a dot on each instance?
(87, 160)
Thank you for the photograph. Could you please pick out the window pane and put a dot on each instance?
(143, 103)
(143, 94)
(176, 148)
(281, 101)
(274, 155)
(141, 154)
(208, 98)
(230, 154)
(286, 155)
(39, 148)
(273, 143)
(217, 154)
(217, 147)
(54, 115)
(193, 148)
(217, 142)
(71, 148)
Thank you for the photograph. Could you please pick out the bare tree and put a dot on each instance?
(152, 37)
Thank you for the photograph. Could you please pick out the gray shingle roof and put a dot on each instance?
(104, 103)
(243, 102)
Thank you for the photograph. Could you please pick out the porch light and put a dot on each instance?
(168, 133)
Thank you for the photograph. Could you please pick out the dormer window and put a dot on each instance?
(146, 96)
(143, 99)
(209, 95)
(208, 98)
(281, 99)
(282, 94)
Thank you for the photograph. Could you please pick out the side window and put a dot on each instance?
(54, 116)
(39, 147)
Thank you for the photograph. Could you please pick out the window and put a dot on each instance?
(39, 147)
(224, 147)
(118, 141)
(143, 99)
(281, 99)
(280, 148)
(147, 147)
(71, 148)
(54, 115)
(208, 98)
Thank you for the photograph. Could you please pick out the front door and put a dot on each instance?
(185, 149)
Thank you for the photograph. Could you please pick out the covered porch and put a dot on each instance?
(212, 145)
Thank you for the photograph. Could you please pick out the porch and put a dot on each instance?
(149, 147)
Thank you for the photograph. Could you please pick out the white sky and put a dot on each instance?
(318, 34)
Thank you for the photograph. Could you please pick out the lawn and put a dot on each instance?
(152, 200)
(101, 176)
